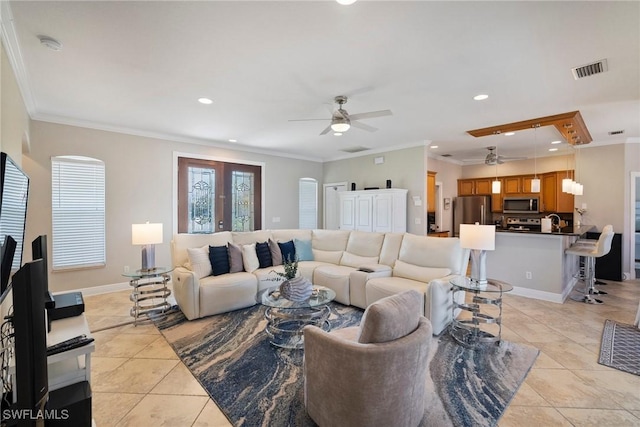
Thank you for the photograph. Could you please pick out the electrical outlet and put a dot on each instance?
(418, 220)
(126, 269)
(528, 275)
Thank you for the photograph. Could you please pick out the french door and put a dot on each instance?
(218, 196)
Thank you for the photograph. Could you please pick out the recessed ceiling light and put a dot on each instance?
(50, 42)
(205, 101)
(434, 146)
(553, 149)
(480, 97)
(556, 142)
(346, 2)
(233, 140)
(337, 134)
(509, 133)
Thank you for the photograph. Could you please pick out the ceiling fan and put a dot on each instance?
(341, 120)
(493, 158)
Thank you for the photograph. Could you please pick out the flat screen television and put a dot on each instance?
(30, 335)
(7, 251)
(14, 194)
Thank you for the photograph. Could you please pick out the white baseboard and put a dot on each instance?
(544, 295)
(102, 289)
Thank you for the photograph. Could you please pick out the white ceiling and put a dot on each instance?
(140, 67)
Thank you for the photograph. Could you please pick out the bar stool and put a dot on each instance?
(590, 250)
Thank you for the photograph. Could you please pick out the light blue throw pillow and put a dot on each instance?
(303, 250)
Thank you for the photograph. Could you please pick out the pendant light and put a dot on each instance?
(568, 183)
(535, 182)
(495, 185)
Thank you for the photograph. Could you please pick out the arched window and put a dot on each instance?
(78, 212)
(308, 203)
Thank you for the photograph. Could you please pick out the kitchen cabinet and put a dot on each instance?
(472, 187)
(382, 211)
(431, 191)
(517, 185)
(439, 234)
(553, 198)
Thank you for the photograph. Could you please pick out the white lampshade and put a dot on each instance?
(495, 187)
(535, 185)
(146, 234)
(566, 185)
(476, 236)
(340, 126)
(578, 189)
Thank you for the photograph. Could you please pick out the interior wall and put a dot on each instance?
(139, 181)
(405, 168)
(448, 174)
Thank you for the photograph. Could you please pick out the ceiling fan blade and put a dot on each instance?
(305, 120)
(326, 130)
(512, 158)
(363, 126)
(371, 114)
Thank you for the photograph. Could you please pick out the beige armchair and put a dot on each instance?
(371, 375)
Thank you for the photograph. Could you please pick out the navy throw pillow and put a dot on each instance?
(219, 258)
(264, 254)
(288, 251)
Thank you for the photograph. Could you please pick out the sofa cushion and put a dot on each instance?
(288, 251)
(332, 257)
(248, 237)
(330, 240)
(432, 252)
(199, 261)
(276, 254)
(264, 254)
(364, 243)
(219, 257)
(250, 258)
(303, 250)
(235, 258)
(415, 272)
(391, 318)
(390, 248)
(356, 261)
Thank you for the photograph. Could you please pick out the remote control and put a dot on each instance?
(69, 344)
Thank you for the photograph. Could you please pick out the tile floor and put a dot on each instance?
(138, 380)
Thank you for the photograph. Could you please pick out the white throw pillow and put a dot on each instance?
(352, 260)
(332, 257)
(199, 261)
(250, 258)
(421, 274)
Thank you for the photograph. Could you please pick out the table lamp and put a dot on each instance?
(147, 235)
(478, 238)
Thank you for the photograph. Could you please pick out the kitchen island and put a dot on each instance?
(535, 263)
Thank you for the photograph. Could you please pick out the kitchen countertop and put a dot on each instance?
(578, 230)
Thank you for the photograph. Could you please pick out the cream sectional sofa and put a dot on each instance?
(393, 262)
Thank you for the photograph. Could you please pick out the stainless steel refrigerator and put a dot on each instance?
(469, 210)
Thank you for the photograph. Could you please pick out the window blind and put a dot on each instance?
(308, 203)
(78, 212)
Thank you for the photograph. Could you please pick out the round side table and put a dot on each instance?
(149, 285)
(483, 320)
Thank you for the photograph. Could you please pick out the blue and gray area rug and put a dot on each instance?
(257, 384)
(620, 347)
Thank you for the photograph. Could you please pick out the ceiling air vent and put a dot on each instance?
(590, 69)
(616, 132)
(356, 149)
(446, 155)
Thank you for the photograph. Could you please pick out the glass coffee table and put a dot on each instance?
(286, 318)
(481, 318)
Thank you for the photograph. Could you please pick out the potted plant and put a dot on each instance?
(294, 287)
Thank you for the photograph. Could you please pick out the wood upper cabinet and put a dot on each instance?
(565, 201)
(512, 185)
(472, 187)
(549, 195)
(431, 191)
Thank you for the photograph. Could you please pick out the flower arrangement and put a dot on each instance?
(290, 269)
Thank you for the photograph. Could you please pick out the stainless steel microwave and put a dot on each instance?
(520, 205)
